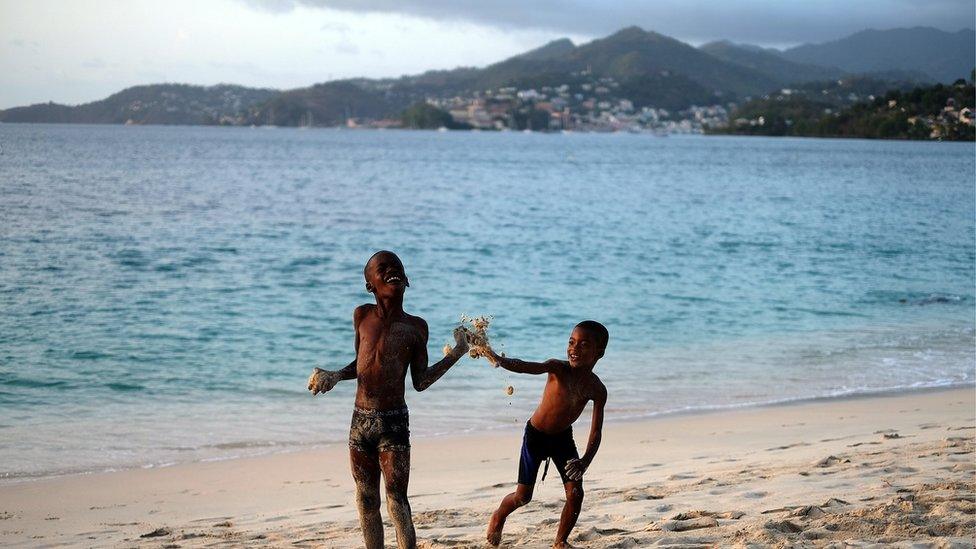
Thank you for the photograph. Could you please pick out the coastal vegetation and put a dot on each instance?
(424, 116)
(943, 112)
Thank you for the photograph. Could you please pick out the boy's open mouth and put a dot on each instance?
(393, 279)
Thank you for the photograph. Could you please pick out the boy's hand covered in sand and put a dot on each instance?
(460, 341)
(322, 381)
(576, 468)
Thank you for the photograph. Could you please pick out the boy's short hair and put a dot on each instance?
(370, 260)
(598, 330)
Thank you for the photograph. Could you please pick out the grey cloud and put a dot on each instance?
(756, 21)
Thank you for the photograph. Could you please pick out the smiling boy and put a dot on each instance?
(388, 342)
(549, 432)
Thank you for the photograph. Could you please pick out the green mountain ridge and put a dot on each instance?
(151, 104)
(943, 56)
(648, 68)
(771, 63)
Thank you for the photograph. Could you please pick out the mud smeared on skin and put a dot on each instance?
(365, 471)
(396, 473)
(394, 466)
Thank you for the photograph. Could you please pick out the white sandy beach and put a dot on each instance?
(893, 470)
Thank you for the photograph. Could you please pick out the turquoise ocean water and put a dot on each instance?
(167, 290)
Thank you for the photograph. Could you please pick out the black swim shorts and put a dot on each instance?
(538, 447)
(375, 431)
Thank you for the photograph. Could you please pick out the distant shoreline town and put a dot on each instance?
(632, 81)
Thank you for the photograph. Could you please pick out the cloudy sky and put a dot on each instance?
(73, 51)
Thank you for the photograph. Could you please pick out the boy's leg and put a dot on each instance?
(396, 472)
(571, 511)
(366, 473)
(530, 457)
(511, 502)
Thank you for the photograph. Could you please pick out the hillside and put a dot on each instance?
(769, 63)
(152, 104)
(944, 56)
(935, 112)
(632, 68)
(633, 52)
(326, 104)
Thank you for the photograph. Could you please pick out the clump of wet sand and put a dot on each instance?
(476, 332)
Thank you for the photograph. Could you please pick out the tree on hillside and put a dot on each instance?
(424, 116)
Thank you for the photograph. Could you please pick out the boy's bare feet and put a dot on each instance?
(495, 529)
(563, 545)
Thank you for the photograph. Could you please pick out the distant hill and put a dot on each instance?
(943, 112)
(944, 56)
(645, 67)
(770, 63)
(152, 104)
(650, 68)
(631, 54)
(552, 50)
(327, 104)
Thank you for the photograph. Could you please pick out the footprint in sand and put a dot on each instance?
(783, 526)
(788, 446)
(954, 442)
(830, 461)
(856, 444)
(643, 494)
(681, 476)
(628, 543)
(758, 494)
(689, 524)
(593, 533)
(157, 533)
(897, 469)
(687, 515)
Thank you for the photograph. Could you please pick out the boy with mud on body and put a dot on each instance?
(549, 432)
(388, 342)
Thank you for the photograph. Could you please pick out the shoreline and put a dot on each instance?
(611, 420)
(747, 460)
(625, 418)
(649, 133)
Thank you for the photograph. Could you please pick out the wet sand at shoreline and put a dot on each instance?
(892, 470)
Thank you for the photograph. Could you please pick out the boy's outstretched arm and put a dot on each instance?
(424, 376)
(576, 467)
(322, 381)
(521, 366)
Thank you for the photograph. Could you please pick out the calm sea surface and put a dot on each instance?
(166, 290)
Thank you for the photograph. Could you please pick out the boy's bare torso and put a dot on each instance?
(386, 347)
(564, 398)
